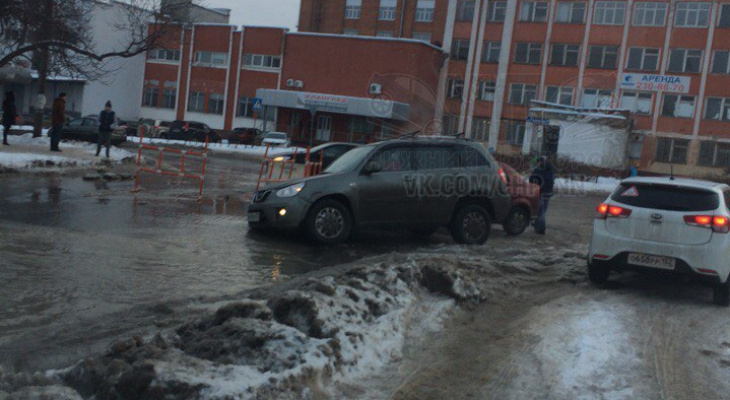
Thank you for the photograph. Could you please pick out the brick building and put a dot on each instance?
(666, 62)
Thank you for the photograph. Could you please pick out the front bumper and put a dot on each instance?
(268, 212)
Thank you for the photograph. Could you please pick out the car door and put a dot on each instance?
(385, 197)
(437, 166)
(70, 130)
(90, 130)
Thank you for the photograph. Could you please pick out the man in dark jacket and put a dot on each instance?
(58, 118)
(544, 176)
(106, 120)
(10, 113)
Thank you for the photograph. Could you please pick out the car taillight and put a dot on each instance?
(607, 210)
(502, 175)
(718, 223)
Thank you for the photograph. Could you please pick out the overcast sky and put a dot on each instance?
(284, 13)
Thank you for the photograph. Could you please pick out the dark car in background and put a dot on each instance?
(326, 153)
(525, 201)
(191, 131)
(244, 136)
(87, 129)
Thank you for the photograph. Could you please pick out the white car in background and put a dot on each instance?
(276, 139)
(664, 224)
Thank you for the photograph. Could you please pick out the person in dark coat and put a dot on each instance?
(106, 120)
(58, 118)
(10, 113)
(544, 176)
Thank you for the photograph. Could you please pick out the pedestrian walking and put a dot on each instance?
(543, 176)
(634, 170)
(106, 121)
(58, 118)
(10, 113)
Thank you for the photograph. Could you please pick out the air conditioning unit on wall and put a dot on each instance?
(290, 82)
(375, 88)
(298, 84)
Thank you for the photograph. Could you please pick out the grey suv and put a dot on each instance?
(417, 183)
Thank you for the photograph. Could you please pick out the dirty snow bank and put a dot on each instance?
(570, 187)
(222, 147)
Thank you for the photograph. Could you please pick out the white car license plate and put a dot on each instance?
(647, 260)
(254, 217)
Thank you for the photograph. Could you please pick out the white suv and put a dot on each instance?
(675, 225)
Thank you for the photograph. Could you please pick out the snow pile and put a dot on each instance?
(571, 187)
(33, 160)
(223, 147)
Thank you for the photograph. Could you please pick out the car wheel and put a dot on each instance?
(517, 221)
(329, 222)
(471, 225)
(721, 294)
(598, 275)
(424, 231)
(164, 136)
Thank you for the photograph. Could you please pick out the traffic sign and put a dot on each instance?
(258, 103)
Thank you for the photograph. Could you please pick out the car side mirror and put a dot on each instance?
(372, 167)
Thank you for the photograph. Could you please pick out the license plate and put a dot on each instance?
(647, 260)
(254, 217)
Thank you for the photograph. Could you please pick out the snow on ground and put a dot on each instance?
(218, 147)
(570, 187)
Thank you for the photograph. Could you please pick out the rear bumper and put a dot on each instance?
(620, 263)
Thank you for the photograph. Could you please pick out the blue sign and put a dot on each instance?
(258, 103)
(538, 121)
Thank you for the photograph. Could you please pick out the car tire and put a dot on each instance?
(163, 136)
(329, 222)
(517, 221)
(424, 231)
(597, 274)
(721, 294)
(471, 225)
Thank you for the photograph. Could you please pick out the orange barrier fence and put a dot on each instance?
(277, 168)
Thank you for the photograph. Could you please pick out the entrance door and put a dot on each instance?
(295, 125)
(550, 139)
(324, 128)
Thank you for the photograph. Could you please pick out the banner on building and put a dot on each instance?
(656, 83)
(324, 102)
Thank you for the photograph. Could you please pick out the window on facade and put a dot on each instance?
(451, 124)
(422, 36)
(721, 62)
(724, 19)
(650, 14)
(245, 107)
(387, 34)
(636, 102)
(718, 108)
(609, 12)
(534, 11)
(168, 98)
(149, 98)
(559, 94)
(596, 98)
(460, 49)
(352, 9)
(387, 10)
(350, 32)
(196, 103)
(678, 106)
(643, 59)
(714, 154)
(684, 60)
(465, 11)
(571, 12)
(456, 88)
(424, 10)
(491, 52)
(672, 151)
(692, 15)
(486, 90)
(515, 135)
(528, 53)
(211, 59)
(269, 113)
(215, 104)
(164, 55)
(603, 57)
(564, 54)
(496, 11)
(480, 129)
(522, 94)
(261, 61)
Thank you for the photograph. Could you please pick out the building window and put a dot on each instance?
(571, 12)
(149, 98)
(650, 14)
(683, 60)
(559, 94)
(385, 34)
(424, 10)
(451, 124)
(465, 11)
(245, 107)
(515, 133)
(692, 15)
(522, 94)
(163, 55)
(387, 10)
(714, 154)
(422, 36)
(724, 20)
(496, 11)
(486, 90)
(564, 54)
(460, 49)
(352, 9)
(215, 104)
(637, 102)
(210, 59)
(721, 62)
(168, 98)
(260, 61)
(528, 53)
(603, 57)
(609, 13)
(596, 98)
(197, 102)
(480, 129)
(491, 52)
(350, 32)
(534, 11)
(642, 59)
(718, 109)
(672, 151)
(678, 106)
(456, 88)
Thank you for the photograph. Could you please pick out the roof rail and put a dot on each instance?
(409, 135)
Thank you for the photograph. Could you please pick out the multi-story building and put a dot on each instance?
(666, 62)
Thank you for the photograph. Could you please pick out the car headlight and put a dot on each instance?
(290, 191)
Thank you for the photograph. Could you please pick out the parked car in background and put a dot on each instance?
(87, 129)
(525, 201)
(244, 136)
(130, 127)
(191, 131)
(153, 127)
(326, 153)
(276, 139)
(678, 226)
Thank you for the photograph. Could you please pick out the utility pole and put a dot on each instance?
(41, 65)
